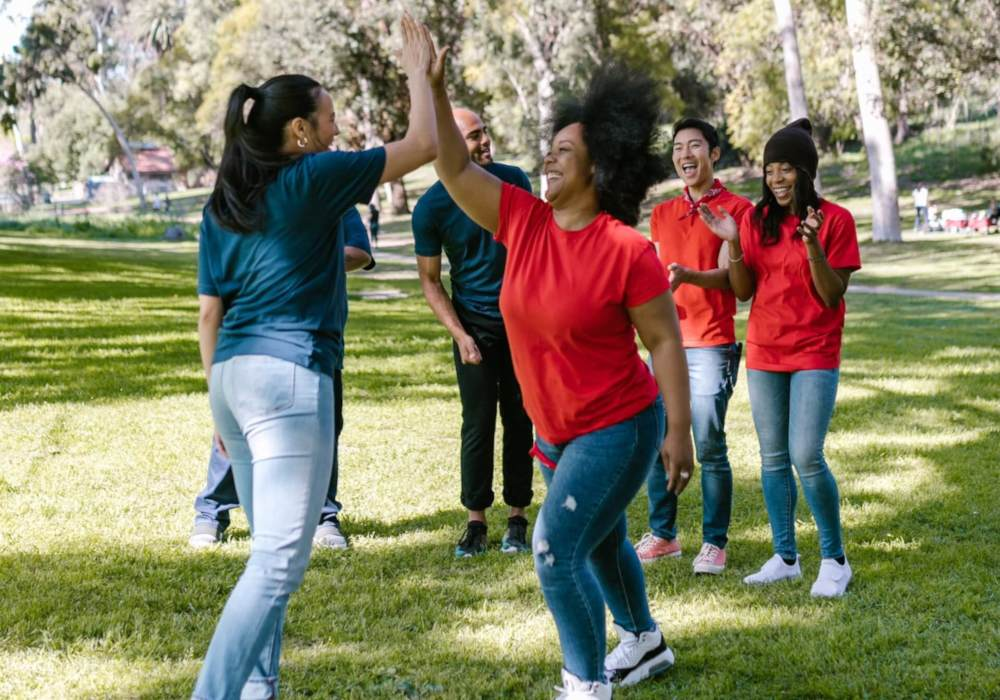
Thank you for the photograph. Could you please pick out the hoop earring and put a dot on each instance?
(302, 143)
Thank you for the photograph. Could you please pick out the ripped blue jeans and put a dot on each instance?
(582, 554)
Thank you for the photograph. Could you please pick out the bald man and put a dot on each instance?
(482, 356)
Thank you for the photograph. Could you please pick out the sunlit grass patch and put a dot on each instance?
(104, 438)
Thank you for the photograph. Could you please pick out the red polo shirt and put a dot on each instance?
(790, 328)
(565, 300)
(706, 315)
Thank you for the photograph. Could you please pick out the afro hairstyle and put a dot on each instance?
(620, 114)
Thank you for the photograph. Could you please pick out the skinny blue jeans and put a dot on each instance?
(213, 504)
(582, 554)
(792, 412)
(712, 372)
(276, 419)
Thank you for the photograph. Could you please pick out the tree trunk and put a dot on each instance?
(123, 142)
(902, 120)
(794, 84)
(545, 77)
(793, 65)
(398, 203)
(878, 141)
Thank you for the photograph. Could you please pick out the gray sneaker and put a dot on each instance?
(329, 536)
(205, 535)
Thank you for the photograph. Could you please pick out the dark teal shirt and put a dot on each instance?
(283, 288)
(476, 260)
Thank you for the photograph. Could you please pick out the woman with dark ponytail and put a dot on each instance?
(579, 282)
(273, 303)
(794, 254)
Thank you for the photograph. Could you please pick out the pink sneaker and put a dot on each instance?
(650, 548)
(710, 560)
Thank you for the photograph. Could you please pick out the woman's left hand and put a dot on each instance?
(810, 226)
(678, 459)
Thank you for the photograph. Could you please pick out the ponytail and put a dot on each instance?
(254, 129)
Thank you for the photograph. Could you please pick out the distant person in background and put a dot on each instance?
(920, 203)
(213, 504)
(373, 214)
(993, 215)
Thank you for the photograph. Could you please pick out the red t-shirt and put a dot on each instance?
(790, 328)
(706, 315)
(565, 300)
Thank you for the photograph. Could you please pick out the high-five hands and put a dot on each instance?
(417, 54)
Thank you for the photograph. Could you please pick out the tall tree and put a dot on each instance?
(878, 141)
(793, 66)
(73, 42)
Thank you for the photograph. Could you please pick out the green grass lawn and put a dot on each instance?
(104, 436)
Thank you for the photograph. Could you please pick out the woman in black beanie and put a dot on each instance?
(794, 254)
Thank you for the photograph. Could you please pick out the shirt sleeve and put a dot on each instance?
(646, 278)
(426, 238)
(206, 284)
(840, 241)
(338, 180)
(356, 235)
(517, 208)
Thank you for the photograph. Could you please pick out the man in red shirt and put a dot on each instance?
(697, 265)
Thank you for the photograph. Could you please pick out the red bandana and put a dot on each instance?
(712, 193)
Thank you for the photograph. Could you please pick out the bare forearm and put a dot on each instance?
(671, 372)
(208, 336)
(709, 279)
(442, 307)
(830, 285)
(740, 278)
(453, 156)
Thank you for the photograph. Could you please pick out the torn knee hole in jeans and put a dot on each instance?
(542, 550)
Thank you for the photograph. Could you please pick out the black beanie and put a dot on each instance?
(793, 144)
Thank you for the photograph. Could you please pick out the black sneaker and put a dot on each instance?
(515, 540)
(473, 541)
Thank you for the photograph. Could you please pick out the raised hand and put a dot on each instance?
(810, 226)
(437, 61)
(417, 47)
(722, 224)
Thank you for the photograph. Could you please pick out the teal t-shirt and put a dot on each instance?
(283, 288)
(476, 260)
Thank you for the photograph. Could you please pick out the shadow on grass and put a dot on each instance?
(90, 325)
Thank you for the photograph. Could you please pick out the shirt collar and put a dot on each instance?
(714, 191)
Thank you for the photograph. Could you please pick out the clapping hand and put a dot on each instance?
(722, 224)
(809, 227)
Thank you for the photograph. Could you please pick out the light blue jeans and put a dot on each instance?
(582, 554)
(277, 422)
(792, 412)
(712, 372)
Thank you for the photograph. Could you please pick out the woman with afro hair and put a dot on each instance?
(579, 282)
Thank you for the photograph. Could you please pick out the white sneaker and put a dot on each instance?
(330, 536)
(205, 535)
(832, 580)
(637, 657)
(575, 689)
(775, 569)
